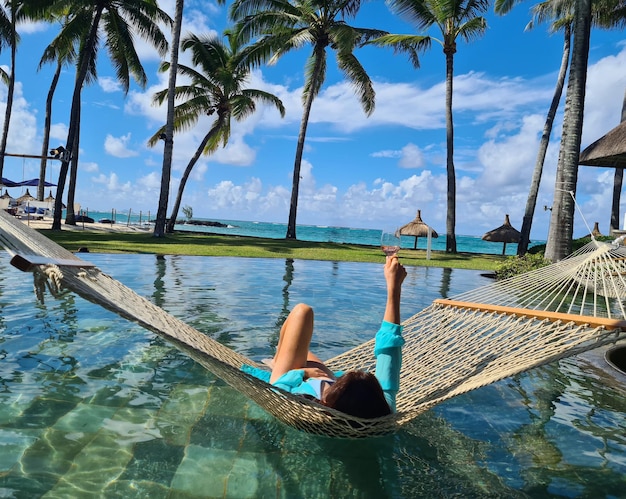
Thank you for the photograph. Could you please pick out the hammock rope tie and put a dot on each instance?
(452, 346)
(49, 277)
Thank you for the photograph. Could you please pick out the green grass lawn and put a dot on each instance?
(189, 243)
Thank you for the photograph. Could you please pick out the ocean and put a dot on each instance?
(315, 233)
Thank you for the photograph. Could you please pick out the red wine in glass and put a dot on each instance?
(390, 242)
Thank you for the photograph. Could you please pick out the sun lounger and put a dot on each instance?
(35, 210)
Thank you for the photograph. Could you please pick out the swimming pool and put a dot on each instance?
(92, 405)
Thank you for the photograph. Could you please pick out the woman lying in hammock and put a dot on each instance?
(358, 393)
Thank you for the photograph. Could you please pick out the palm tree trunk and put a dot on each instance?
(74, 117)
(168, 149)
(451, 215)
(617, 184)
(295, 186)
(46, 132)
(559, 243)
(70, 216)
(617, 193)
(10, 91)
(531, 202)
(183, 181)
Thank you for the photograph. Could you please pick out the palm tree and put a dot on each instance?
(454, 18)
(118, 20)
(283, 26)
(168, 135)
(61, 55)
(216, 88)
(9, 36)
(548, 10)
(561, 230)
(561, 12)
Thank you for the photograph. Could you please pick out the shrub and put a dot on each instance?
(519, 264)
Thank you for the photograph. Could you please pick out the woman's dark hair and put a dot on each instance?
(357, 393)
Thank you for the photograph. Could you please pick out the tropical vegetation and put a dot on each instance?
(119, 21)
(279, 26)
(604, 14)
(216, 88)
(454, 19)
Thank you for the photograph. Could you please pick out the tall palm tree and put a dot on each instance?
(168, 135)
(9, 36)
(118, 21)
(559, 243)
(217, 87)
(61, 54)
(548, 10)
(282, 26)
(454, 19)
(560, 12)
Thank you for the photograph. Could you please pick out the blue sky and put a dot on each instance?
(358, 171)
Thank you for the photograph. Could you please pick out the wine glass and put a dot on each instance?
(390, 241)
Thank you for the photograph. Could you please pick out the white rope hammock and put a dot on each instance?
(452, 346)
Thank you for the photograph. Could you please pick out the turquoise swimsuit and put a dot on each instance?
(388, 352)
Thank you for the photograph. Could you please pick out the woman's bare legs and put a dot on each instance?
(292, 351)
(293, 345)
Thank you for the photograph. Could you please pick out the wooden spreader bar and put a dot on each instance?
(27, 263)
(591, 321)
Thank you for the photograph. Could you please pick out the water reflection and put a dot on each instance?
(446, 275)
(159, 282)
(286, 305)
(91, 402)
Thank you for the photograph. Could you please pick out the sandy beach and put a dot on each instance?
(89, 227)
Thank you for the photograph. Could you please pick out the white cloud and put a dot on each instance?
(388, 153)
(412, 157)
(109, 84)
(59, 131)
(89, 167)
(23, 134)
(112, 183)
(118, 146)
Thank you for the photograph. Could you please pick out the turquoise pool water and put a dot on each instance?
(94, 406)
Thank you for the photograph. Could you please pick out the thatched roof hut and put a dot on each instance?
(26, 197)
(506, 233)
(417, 228)
(608, 150)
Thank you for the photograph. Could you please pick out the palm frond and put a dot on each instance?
(4, 76)
(357, 76)
(415, 12)
(472, 29)
(314, 74)
(411, 45)
(122, 53)
(266, 98)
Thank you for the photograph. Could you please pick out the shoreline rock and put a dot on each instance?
(206, 223)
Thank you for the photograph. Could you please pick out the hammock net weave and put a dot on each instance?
(453, 346)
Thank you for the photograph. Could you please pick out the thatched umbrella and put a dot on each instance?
(24, 198)
(6, 195)
(417, 228)
(608, 150)
(503, 234)
(596, 231)
(50, 197)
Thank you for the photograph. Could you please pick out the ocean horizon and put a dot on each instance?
(312, 233)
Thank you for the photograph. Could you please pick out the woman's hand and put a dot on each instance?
(394, 273)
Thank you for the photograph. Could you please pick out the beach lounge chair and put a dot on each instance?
(35, 210)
